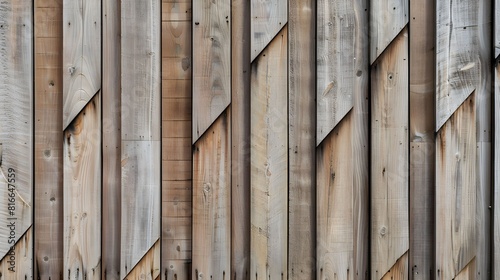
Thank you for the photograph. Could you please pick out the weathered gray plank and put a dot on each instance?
(269, 149)
(211, 62)
(496, 176)
(497, 28)
(18, 263)
(149, 266)
(301, 135)
(389, 157)
(268, 18)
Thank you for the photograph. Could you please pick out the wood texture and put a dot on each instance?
(422, 139)
(81, 55)
(48, 194)
(389, 157)
(301, 140)
(268, 19)
(269, 157)
(211, 63)
(149, 266)
(387, 20)
(399, 270)
(496, 28)
(468, 272)
(212, 201)
(111, 149)
(16, 120)
(18, 263)
(82, 193)
(496, 176)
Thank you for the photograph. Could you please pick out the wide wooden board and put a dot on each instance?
(268, 18)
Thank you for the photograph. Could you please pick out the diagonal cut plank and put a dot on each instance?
(148, 267)
(268, 18)
(399, 271)
(17, 264)
(469, 272)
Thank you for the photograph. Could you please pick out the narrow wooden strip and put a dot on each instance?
(399, 271)
(18, 263)
(456, 230)
(82, 193)
(483, 209)
(496, 175)
(389, 157)
(81, 55)
(268, 18)
(211, 62)
(497, 28)
(149, 266)
(269, 157)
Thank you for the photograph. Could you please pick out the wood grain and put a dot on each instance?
(82, 193)
(81, 55)
(497, 29)
(177, 270)
(149, 266)
(389, 157)
(496, 177)
(268, 19)
(399, 271)
(269, 157)
(469, 272)
(211, 63)
(48, 194)
(18, 263)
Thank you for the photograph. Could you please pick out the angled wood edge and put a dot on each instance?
(400, 269)
(278, 32)
(148, 266)
(17, 264)
(468, 272)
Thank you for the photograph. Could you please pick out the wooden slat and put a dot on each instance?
(81, 55)
(496, 175)
(422, 139)
(212, 201)
(111, 149)
(211, 62)
(387, 20)
(140, 131)
(48, 194)
(399, 270)
(497, 28)
(149, 266)
(269, 149)
(456, 191)
(389, 157)
(268, 18)
(177, 270)
(16, 120)
(18, 263)
(469, 272)
(82, 193)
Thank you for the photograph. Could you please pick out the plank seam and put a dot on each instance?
(272, 39)
(145, 254)
(451, 115)
(384, 51)
(19, 240)
(335, 126)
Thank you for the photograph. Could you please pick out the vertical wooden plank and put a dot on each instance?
(422, 139)
(240, 139)
(48, 211)
(469, 272)
(211, 62)
(149, 266)
(212, 201)
(176, 139)
(82, 194)
(18, 263)
(301, 139)
(496, 31)
(111, 149)
(81, 55)
(389, 157)
(269, 161)
(399, 270)
(496, 177)
(268, 18)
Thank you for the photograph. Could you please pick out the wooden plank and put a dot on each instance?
(211, 63)
(140, 131)
(469, 272)
(149, 265)
(81, 59)
(111, 149)
(18, 263)
(212, 201)
(82, 193)
(269, 158)
(483, 208)
(177, 270)
(496, 175)
(48, 193)
(422, 139)
(497, 28)
(399, 270)
(389, 179)
(387, 20)
(301, 118)
(268, 19)
(456, 191)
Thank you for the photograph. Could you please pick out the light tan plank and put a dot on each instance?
(149, 265)
(82, 193)
(387, 20)
(268, 19)
(16, 120)
(399, 270)
(301, 114)
(389, 157)
(269, 149)
(81, 55)
(111, 149)
(211, 63)
(212, 201)
(468, 272)
(456, 191)
(18, 263)
(483, 208)
(48, 193)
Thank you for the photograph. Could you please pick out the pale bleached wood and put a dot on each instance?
(140, 130)
(389, 157)
(268, 19)
(301, 140)
(111, 149)
(399, 270)
(483, 208)
(18, 263)
(16, 119)
(269, 158)
(212, 201)
(149, 266)
(496, 175)
(422, 139)
(497, 28)
(468, 272)
(81, 55)
(82, 193)
(456, 231)
(211, 62)
(240, 138)
(48, 194)
(387, 20)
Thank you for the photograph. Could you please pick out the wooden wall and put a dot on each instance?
(249, 139)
